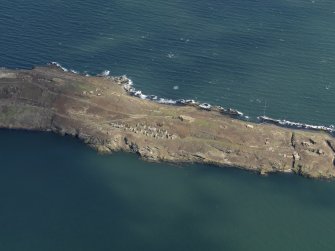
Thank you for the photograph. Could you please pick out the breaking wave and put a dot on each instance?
(291, 124)
(59, 66)
(127, 84)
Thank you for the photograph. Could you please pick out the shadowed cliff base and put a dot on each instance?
(100, 111)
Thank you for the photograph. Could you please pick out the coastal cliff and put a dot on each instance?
(101, 112)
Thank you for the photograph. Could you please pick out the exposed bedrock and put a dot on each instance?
(100, 112)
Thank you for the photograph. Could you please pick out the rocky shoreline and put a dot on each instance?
(128, 86)
(110, 115)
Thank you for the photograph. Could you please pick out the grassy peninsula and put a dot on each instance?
(100, 112)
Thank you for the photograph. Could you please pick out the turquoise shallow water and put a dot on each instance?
(57, 194)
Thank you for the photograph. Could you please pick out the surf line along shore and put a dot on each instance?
(102, 112)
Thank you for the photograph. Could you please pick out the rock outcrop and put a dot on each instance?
(100, 112)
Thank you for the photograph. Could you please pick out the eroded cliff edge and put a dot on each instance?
(101, 113)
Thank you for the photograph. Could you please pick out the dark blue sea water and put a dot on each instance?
(57, 194)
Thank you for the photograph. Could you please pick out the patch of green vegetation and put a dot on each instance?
(82, 87)
(202, 123)
(169, 112)
(8, 112)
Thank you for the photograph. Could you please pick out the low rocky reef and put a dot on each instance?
(109, 114)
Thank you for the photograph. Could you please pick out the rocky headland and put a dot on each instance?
(106, 114)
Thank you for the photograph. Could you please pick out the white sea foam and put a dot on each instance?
(234, 112)
(105, 73)
(73, 71)
(130, 82)
(127, 84)
(140, 95)
(190, 101)
(152, 97)
(166, 101)
(205, 106)
(59, 66)
(288, 123)
(170, 55)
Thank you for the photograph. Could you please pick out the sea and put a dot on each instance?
(262, 57)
